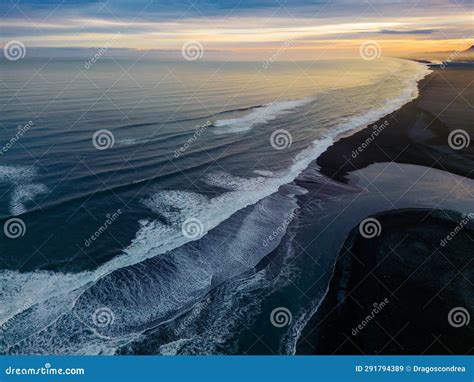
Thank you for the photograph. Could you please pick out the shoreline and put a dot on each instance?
(418, 134)
(378, 303)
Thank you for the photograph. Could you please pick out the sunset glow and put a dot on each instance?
(306, 28)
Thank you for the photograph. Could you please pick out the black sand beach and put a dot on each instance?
(392, 294)
(417, 133)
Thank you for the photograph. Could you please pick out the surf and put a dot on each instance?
(158, 237)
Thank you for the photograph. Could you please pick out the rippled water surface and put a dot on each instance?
(151, 191)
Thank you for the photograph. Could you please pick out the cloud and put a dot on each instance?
(178, 9)
(414, 31)
(219, 24)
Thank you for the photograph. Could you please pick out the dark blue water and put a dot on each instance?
(139, 188)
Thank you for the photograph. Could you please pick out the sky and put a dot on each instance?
(241, 28)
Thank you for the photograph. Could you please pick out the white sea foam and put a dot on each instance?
(161, 237)
(10, 174)
(232, 309)
(155, 237)
(172, 348)
(259, 115)
(133, 141)
(24, 188)
(25, 193)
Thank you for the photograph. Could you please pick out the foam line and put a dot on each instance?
(259, 115)
(22, 290)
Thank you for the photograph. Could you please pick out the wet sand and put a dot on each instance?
(417, 133)
(386, 301)
(393, 294)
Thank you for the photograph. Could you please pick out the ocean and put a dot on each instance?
(159, 207)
